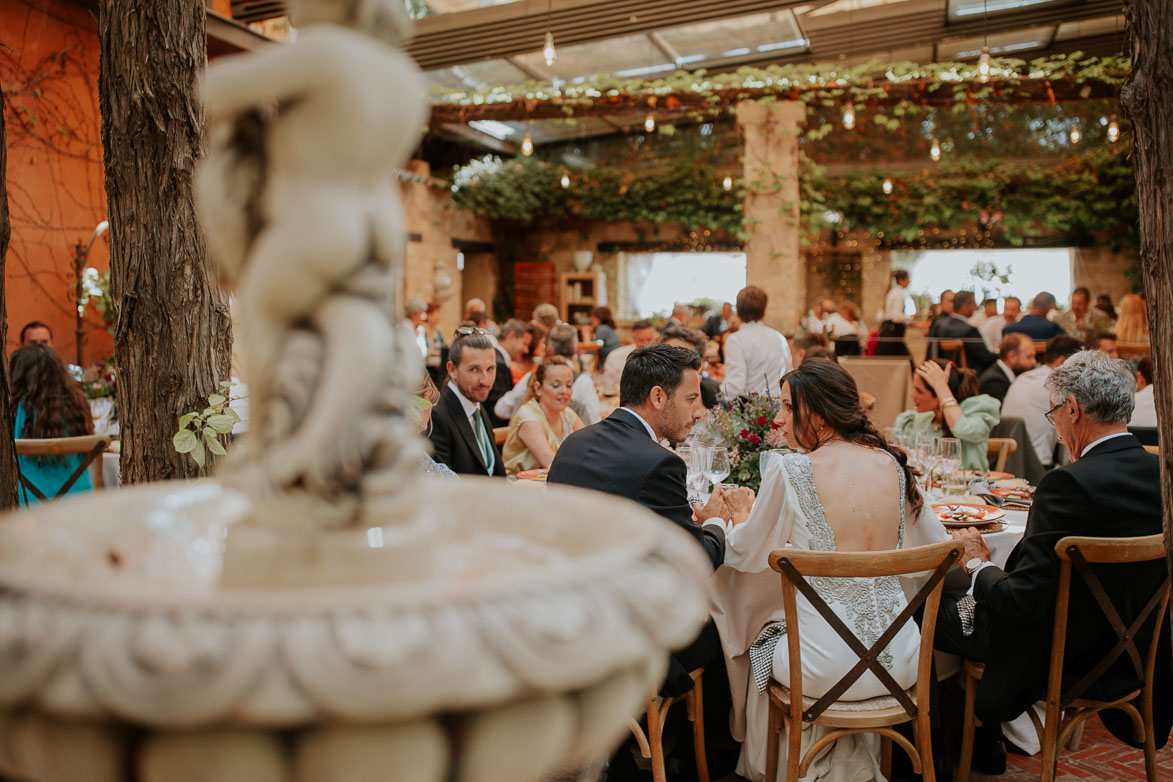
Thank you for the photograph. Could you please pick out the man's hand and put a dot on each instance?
(974, 542)
(715, 508)
(740, 502)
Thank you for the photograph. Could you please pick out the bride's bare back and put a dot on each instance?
(859, 489)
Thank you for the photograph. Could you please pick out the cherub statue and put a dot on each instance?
(304, 220)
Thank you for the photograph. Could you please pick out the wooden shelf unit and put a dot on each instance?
(580, 292)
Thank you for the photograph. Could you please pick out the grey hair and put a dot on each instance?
(412, 306)
(1104, 387)
(1044, 299)
(563, 340)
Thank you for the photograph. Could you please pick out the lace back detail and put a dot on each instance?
(798, 468)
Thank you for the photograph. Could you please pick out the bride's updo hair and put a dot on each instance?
(825, 389)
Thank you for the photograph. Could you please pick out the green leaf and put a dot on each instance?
(198, 454)
(186, 419)
(185, 441)
(214, 444)
(217, 399)
(222, 424)
(228, 411)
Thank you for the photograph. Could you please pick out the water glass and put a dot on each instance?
(949, 463)
(717, 465)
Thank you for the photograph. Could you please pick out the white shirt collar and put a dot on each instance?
(470, 408)
(1090, 446)
(640, 418)
(1009, 372)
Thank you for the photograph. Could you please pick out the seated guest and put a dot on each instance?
(474, 306)
(942, 308)
(987, 310)
(544, 421)
(512, 346)
(948, 405)
(1133, 323)
(718, 323)
(1016, 355)
(1082, 320)
(956, 326)
(1145, 411)
(1111, 488)
(562, 342)
(1107, 309)
(546, 316)
(643, 333)
(49, 403)
(803, 341)
(1105, 342)
(520, 367)
(36, 333)
(603, 327)
(846, 330)
(1035, 324)
(462, 436)
(684, 337)
(417, 316)
(680, 316)
(818, 352)
(424, 400)
(810, 500)
(991, 330)
(756, 356)
(1027, 398)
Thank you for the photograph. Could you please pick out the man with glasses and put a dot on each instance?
(462, 436)
(1027, 398)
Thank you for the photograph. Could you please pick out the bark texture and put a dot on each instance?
(172, 334)
(1146, 98)
(8, 479)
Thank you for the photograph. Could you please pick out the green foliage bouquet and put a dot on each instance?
(746, 427)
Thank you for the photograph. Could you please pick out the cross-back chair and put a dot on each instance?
(651, 741)
(90, 447)
(789, 708)
(998, 449)
(1066, 708)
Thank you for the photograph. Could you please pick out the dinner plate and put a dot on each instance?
(533, 475)
(991, 475)
(979, 514)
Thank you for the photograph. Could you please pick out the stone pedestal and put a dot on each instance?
(773, 262)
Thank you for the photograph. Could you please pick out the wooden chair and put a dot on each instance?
(955, 347)
(998, 449)
(1153, 449)
(1066, 710)
(500, 434)
(651, 741)
(790, 709)
(91, 446)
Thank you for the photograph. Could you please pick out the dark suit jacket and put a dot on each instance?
(502, 384)
(453, 441)
(617, 456)
(994, 382)
(977, 356)
(1113, 491)
(710, 392)
(1033, 326)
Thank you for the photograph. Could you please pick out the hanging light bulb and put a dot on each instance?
(527, 145)
(650, 122)
(565, 180)
(935, 150)
(727, 183)
(549, 52)
(984, 64)
(887, 185)
(1113, 130)
(849, 116)
(1075, 135)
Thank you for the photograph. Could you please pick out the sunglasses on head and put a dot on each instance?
(468, 331)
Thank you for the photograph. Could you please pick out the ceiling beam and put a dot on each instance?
(665, 47)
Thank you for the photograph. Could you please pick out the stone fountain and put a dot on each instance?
(320, 611)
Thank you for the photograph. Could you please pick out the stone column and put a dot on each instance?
(773, 261)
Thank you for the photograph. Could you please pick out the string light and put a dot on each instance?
(549, 52)
(1075, 135)
(565, 180)
(935, 150)
(887, 186)
(849, 116)
(527, 145)
(650, 122)
(727, 183)
(1113, 130)
(984, 65)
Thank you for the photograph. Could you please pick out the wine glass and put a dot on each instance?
(717, 465)
(949, 461)
(694, 475)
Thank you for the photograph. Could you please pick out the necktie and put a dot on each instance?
(488, 453)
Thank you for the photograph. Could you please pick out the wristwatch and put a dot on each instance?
(973, 564)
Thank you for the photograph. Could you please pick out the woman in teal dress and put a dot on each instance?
(947, 404)
(49, 403)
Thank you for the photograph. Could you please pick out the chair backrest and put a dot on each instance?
(1153, 449)
(796, 565)
(998, 449)
(90, 446)
(954, 347)
(500, 434)
(1079, 554)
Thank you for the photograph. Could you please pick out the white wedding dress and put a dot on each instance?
(747, 604)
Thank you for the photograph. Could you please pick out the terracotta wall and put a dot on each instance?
(56, 192)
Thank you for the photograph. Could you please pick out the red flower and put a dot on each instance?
(775, 425)
(761, 420)
(744, 433)
(754, 439)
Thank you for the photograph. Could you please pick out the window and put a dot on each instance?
(1028, 272)
(651, 283)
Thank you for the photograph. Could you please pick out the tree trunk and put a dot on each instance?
(172, 333)
(1146, 98)
(8, 477)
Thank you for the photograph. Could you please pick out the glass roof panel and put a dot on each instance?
(476, 75)
(1001, 44)
(1101, 25)
(456, 6)
(735, 37)
(630, 56)
(967, 10)
(845, 5)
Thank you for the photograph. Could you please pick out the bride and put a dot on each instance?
(845, 489)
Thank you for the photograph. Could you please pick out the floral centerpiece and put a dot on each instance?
(746, 427)
(100, 381)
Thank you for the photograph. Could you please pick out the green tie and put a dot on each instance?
(488, 452)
